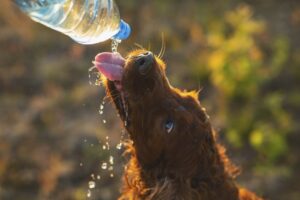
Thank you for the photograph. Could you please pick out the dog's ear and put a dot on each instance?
(190, 100)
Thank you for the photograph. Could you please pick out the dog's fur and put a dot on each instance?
(184, 164)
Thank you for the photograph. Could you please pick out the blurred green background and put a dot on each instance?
(243, 55)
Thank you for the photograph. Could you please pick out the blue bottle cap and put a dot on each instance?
(124, 32)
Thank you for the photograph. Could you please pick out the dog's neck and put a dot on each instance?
(155, 180)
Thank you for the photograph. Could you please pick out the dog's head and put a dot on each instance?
(168, 126)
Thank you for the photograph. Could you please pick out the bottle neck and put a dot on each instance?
(124, 31)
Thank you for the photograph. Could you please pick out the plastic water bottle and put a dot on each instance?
(85, 21)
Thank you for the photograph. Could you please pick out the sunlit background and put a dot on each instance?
(55, 143)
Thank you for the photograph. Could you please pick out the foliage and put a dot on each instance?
(239, 68)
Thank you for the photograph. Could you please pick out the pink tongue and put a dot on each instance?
(110, 65)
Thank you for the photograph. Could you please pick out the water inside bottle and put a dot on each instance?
(27, 5)
(87, 22)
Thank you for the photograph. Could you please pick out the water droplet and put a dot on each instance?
(92, 184)
(104, 165)
(88, 194)
(104, 121)
(93, 176)
(101, 112)
(119, 146)
(101, 107)
(111, 160)
(110, 168)
(103, 147)
(111, 175)
(107, 145)
(106, 137)
(81, 164)
(98, 177)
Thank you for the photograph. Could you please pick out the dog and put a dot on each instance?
(174, 154)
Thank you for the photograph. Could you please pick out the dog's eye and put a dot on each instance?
(169, 125)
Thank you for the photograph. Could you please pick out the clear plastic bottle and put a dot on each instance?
(85, 21)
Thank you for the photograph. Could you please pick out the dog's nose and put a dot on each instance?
(145, 62)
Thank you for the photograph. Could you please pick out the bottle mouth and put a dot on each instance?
(124, 31)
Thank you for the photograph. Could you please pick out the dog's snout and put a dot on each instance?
(145, 62)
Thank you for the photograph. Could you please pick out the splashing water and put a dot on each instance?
(101, 109)
(89, 193)
(111, 160)
(107, 143)
(92, 184)
(93, 176)
(106, 146)
(94, 76)
(104, 165)
(119, 146)
(114, 45)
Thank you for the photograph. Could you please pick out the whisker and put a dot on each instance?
(164, 50)
(139, 46)
(163, 46)
(149, 46)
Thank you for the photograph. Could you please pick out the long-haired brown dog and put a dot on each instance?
(173, 151)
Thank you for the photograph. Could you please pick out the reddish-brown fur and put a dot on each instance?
(185, 164)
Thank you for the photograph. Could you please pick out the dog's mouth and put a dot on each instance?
(111, 66)
(126, 79)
